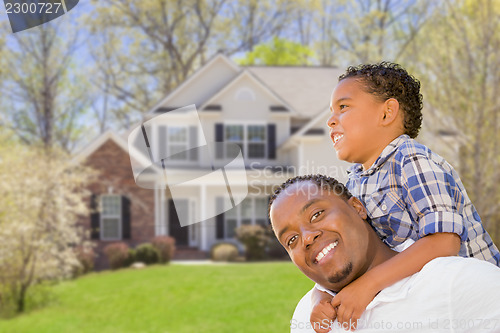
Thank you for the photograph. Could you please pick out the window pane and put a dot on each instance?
(230, 228)
(177, 134)
(247, 209)
(232, 151)
(262, 222)
(111, 205)
(180, 152)
(232, 213)
(256, 133)
(234, 132)
(261, 208)
(110, 228)
(256, 150)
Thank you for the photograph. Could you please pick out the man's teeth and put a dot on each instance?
(337, 137)
(325, 251)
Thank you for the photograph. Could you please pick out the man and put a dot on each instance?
(324, 230)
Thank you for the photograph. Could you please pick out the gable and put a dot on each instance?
(202, 85)
(246, 98)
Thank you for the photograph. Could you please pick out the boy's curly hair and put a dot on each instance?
(389, 80)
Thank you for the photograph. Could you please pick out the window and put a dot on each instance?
(177, 142)
(256, 137)
(250, 138)
(250, 211)
(111, 209)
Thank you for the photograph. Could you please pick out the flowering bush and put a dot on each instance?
(165, 246)
(117, 254)
(255, 238)
(224, 252)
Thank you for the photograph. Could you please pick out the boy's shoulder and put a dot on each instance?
(411, 150)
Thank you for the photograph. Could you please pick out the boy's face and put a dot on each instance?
(324, 235)
(354, 120)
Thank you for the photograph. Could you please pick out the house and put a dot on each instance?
(276, 115)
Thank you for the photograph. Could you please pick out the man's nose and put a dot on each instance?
(310, 236)
(333, 120)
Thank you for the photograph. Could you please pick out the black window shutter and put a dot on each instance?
(94, 217)
(271, 141)
(193, 142)
(125, 217)
(219, 137)
(220, 226)
(268, 217)
(162, 145)
(219, 219)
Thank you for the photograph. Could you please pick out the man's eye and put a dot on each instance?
(316, 215)
(291, 240)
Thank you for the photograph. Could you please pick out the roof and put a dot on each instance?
(306, 89)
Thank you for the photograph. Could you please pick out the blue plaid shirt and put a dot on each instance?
(411, 192)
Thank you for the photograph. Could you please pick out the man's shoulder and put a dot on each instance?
(459, 269)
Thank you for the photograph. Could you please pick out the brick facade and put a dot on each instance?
(115, 177)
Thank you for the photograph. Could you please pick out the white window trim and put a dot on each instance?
(185, 143)
(246, 142)
(102, 216)
(186, 127)
(239, 217)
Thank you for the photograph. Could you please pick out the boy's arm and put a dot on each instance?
(353, 299)
(322, 311)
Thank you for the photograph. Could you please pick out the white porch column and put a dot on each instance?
(163, 216)
(203, 225)
(157, 211)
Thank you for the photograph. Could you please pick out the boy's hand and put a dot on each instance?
(322, 316)
(352, 301)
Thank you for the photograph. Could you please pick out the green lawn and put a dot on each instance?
(176, 298)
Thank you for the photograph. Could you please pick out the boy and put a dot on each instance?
(408, 191)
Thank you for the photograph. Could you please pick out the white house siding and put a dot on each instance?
(203, 85)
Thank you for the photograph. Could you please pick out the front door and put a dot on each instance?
(175, 230)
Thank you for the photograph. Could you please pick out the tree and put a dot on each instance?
(46, 92)
(279, 52)
(361, 31)
(460, 69)
(42, 197)
(144, 50)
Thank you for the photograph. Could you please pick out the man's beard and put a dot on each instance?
(341, 275)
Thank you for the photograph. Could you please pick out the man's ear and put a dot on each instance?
(358, 206)
(391, 111)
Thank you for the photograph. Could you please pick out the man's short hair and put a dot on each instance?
(322, 181)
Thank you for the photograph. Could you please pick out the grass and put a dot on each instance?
(257, 297)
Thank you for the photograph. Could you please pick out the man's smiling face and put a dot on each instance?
(325, 235)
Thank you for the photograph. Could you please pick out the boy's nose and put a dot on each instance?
(332, 121)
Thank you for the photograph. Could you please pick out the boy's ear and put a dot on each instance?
(391, 111)
(358, 206)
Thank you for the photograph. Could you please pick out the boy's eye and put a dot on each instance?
(291, 240)
(316, 215)
(343, 106)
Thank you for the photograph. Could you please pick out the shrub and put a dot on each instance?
(275, 250)
(117, 255)
(147, 254)
(85, 256)
(165, 246)
(224, 252)
(255, 238)
(131, 258)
